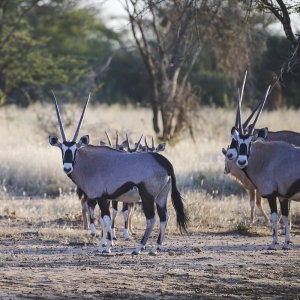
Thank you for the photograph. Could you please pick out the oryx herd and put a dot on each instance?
(264, 162)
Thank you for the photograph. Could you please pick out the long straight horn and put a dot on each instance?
(108, 138)
(251, 115)
(241, 131)
(81, 119)
(260, 109)
(138, 143)
(153, 143)
(117, 138)
(127, 142)
(146, 145)
(243, 86)
(61, 127)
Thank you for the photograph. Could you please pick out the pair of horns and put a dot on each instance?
(147, 147)
(61, 127)
(136, 146)
(259, 107)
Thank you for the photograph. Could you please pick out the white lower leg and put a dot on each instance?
(274, 218)
(103, 237)
(285, 220)
(113, 232)
(93, 229)
(125, 228)
(107, 223)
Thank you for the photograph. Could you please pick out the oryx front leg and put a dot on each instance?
(84, 208)
(106, 223)
(284, 205)
(252, 205)
(274, 217)
(91, 207)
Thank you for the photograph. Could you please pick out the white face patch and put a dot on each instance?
(231, 153)
(68, 157)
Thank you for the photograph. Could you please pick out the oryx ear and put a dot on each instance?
(262, 133)
(102, 143)
(224, 151)
(53, 140)
(234, 133)
(84, 141)
(161, 147)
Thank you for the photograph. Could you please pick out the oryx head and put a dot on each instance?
(244, 138)
(69, 148)
(226, 169)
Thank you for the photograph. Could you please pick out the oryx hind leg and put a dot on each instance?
(130, 214)
(106, 225)
(84, 208)
(90, 209)
(114, 214)
(148, 208)
(125, 211)
(285, 207)
(161, 206)
(274, 217)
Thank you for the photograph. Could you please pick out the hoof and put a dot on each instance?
(127, 239)
(114, 238)
(152, 253)
(135, 253)
(93, 234)
(97, 250)
(105, 251)
(286, 248)
(271, 248)
(144, 248)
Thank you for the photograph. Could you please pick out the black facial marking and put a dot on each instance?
(68, 158)
(233, 144)
(243, 149)
(69, 144)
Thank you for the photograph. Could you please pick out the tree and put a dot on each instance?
(281, 10)
(170, 36)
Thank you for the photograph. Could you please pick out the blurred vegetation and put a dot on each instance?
(58, 44)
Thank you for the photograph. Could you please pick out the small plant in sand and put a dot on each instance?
(243, 227)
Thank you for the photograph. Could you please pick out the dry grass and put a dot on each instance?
(30, 167)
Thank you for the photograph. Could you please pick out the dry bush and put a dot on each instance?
(29, 166)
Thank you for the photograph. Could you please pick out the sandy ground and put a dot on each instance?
(201, 266)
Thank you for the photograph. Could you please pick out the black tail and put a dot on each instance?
(182, 218)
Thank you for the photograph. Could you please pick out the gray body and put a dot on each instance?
(101, 171)
(241, 177)
(273, 168)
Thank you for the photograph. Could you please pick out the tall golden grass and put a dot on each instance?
(30, 167)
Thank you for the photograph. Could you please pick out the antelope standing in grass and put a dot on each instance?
(104, 173)
(272, 167)
(240, 176)
(130, 198)
(258, 134)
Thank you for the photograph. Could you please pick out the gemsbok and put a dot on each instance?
(129, 199)
(272, 168)
(105, 173)
(240, 176)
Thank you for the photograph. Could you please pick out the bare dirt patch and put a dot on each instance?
(35, 264)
